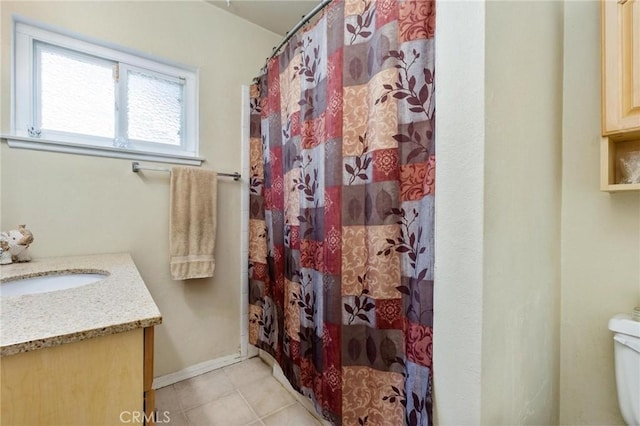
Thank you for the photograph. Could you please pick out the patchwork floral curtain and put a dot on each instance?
(341, 211)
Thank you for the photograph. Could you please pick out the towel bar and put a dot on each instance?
(136, 167)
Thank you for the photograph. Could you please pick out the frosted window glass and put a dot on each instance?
(76, 95)
(154, 109)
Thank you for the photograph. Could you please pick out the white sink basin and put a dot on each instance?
(47, 283)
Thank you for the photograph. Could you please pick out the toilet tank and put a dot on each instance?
(627, 360)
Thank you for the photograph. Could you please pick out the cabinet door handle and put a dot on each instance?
(621, 2)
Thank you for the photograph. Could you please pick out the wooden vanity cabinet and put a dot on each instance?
(620, 88)
(149, 393)
(104, 380)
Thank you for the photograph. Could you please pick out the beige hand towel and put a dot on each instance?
(192, 222)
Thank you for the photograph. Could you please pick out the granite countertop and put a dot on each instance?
(120, 302)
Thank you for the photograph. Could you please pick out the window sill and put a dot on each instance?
(39, 144)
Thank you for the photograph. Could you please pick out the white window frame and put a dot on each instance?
(24, 132)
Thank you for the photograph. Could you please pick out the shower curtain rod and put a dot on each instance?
(299, 25)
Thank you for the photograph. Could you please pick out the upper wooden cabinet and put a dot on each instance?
(620, 66)
(620, 146)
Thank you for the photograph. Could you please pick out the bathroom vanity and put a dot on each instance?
(80, 355)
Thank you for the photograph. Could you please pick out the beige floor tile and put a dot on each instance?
(167, 400)
(203, 389)
(230, 410)
(236, 395)
(267, 396)
(174, 418)
(247, 372)
(293, 415)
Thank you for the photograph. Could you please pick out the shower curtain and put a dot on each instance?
(341, 211)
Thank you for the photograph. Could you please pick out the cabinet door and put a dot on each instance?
(94, 382)
(621, 66)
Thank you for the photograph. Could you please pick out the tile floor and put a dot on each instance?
(241, 394)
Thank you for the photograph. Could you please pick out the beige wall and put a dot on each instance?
(523, 142)
(496, 319)
(558, 257)
(80, 204)
(600, 236)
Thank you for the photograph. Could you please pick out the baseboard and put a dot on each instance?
(196, 370)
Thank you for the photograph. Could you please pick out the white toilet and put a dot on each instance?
(627, 359)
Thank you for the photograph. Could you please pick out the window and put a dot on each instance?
(72, 94)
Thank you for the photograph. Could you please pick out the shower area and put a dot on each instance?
(340, 130)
